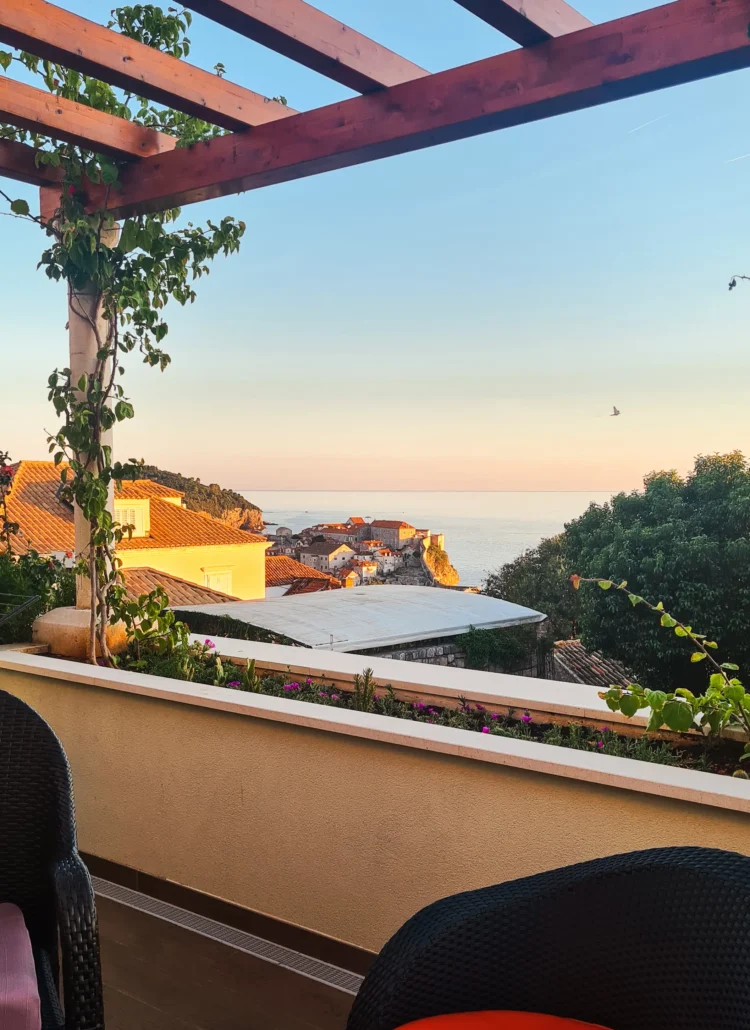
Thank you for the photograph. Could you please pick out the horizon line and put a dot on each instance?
(395, 490)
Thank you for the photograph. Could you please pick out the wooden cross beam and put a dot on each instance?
(18, 161)
(664, 46)
(57, 35)
(528, 21)
(39, 111)
(314, 39)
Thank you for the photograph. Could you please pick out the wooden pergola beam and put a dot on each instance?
(310, 37)
(18, 161)
(664, 46)
(57, 35)
(39, 111)
(528, 21)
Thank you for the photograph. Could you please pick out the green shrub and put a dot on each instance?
(30, 575)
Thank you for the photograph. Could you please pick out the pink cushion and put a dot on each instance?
(19, 994)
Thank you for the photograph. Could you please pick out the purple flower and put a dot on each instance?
(334, 697)
(480, 708)
(322, 693)
(485, 729)
(605, 729)
(233, 683)
(287, 687)
(526, 717)
(600, 744)
(210, 645)
(421, 706)
(308, 682)
(494, 716)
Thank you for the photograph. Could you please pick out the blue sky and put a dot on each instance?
(459, 318)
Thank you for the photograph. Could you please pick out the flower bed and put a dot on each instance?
(201, 664)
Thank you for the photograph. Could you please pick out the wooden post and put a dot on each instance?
(83, 315)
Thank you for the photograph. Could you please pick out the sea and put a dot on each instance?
(482, 530)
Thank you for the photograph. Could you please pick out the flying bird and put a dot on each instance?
(615, 412)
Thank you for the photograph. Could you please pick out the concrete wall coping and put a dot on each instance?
(628, 774)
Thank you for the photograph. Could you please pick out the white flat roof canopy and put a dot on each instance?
(375, 616)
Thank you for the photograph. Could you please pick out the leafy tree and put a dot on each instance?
(121, 286)
(683, 540)
(539, 579)
(211, 498)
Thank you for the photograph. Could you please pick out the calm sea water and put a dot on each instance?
(482, 530)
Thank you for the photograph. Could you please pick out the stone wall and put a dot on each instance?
(427, 654)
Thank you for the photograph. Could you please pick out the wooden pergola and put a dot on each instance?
(563, 64)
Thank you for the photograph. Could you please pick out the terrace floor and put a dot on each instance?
(160, 976)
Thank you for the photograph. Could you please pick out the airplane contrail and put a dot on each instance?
(645, 124)
(733, 159)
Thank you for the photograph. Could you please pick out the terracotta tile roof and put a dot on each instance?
(390, 524)
(281, 570)
(357, 520)
(172, 526)
(47, 523)
(312, 586)
(138, 489)
(180, 591)
(324, 548)
(577, 665)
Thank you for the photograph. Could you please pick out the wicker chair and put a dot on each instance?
(653, 940)
(41, 871)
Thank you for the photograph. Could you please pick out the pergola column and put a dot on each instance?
(84, 322)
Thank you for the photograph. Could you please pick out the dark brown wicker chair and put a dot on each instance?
(653, 940)
(41, 871)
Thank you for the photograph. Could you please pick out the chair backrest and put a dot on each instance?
(652, 940)
(37, 823)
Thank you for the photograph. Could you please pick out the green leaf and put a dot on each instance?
(710, 643)
(717, 681)
(605, 584)
(634, 599)
(730, 665)
(5, 59)
(735, 693)
(668, 621)
(629, 705)
(655, 722)
(656, 699)
(109, 174)
(678, 715)
(660, 606)
(697, 656)
(680, 632)
(19, 207)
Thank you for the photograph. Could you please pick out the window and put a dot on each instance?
(131, 517)
(218, 579)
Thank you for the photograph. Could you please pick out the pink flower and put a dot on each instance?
(233, 683)
(210, 645)
(335, 697)
(600, 744)
(605, 729)
(526, 717)
(480, 708)
(308, 682)
(494, 716)
(322, 693)
(485, 729)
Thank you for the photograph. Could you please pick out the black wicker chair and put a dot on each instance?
(653, 940)
(41, 871)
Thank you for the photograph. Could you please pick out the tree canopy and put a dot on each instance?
(684, 541)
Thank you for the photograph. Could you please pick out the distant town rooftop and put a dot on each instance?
(374, 616)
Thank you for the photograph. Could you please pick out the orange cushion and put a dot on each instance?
(499, 1021)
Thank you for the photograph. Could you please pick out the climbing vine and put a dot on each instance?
(119, 281)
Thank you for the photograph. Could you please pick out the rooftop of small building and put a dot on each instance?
(375, 616)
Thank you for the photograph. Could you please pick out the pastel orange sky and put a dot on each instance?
(460, 318)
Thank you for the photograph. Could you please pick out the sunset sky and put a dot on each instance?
(460, 318)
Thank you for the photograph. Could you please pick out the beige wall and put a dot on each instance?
(339, 834)
(246, 561)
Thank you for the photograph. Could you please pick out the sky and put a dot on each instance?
(462, 318)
